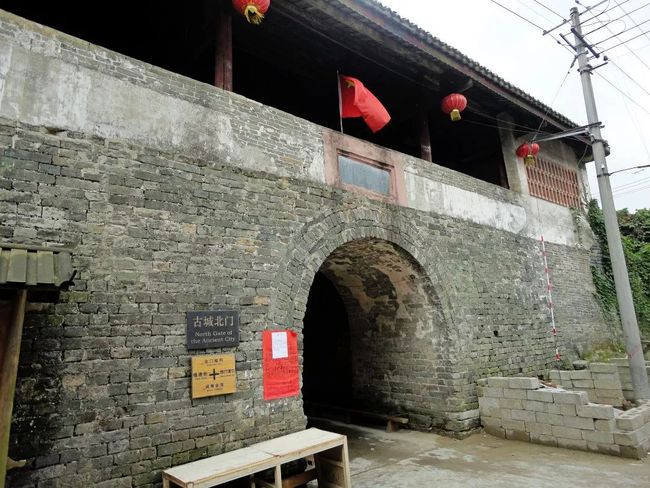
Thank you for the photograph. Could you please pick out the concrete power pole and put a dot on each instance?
(619, 268)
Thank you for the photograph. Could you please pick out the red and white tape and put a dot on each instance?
(549, 300)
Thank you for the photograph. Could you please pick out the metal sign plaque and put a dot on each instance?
(213, 375)
(215, 328)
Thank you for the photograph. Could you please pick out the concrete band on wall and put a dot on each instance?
(175, 197)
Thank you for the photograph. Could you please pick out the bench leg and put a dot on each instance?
(278, 476)
(392, 426)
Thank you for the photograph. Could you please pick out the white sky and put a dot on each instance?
(517, 51)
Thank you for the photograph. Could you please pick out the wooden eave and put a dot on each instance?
(35, 267)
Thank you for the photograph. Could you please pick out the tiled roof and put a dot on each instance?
(475, 68)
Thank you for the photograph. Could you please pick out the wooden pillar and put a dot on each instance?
(223, 54)
(11, 332)
(425, 137)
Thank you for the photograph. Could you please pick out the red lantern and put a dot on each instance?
(253, 10)
(528, 151)
(453, 105)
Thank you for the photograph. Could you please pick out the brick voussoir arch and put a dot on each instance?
(311, 246)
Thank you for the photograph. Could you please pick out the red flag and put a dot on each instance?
(358, 101)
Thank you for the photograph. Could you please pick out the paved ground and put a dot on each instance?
(408, 459)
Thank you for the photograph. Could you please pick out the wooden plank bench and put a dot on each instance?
(393, 422)
(329, 451)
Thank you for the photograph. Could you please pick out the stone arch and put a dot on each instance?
(319, 238)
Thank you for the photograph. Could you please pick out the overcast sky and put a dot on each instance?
(518, 52)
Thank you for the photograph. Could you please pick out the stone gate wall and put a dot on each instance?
(176, 196)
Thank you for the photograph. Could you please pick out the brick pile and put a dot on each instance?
(600, 381)
(523, 409)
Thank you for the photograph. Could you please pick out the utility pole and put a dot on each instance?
(619, 268)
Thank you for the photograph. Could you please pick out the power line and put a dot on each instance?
(623, 93)
(628, 40)
(620, 5)
(603, 24)
(549, 9)
(642, 181)
(520, 16)
(527, 6)
(629, 192)
(630, 78)
(622, 32)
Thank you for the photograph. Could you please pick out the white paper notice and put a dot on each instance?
(279, 345)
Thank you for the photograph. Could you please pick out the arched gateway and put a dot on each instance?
(371, 306)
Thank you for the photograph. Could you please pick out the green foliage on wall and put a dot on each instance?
(635, 234)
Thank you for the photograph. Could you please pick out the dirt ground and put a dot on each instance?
(408, 459)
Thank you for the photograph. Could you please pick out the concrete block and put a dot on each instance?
(578, 444)
(547, 440)
(634, 452)
(560, 431)
(605, 425)
(535, 406)
(493, 392)
(579, 422)
(526, 415)
(571, 397)
(488, 406)
(498, 382)
(565, 375)
(583, 383)
(598, 437)
(516, 394)
(584, 374)
(594, 411)
(568, 410)
(495, 431)
(603, 368)
(524, 383)
(491, 422)
(512, 403)
(517, 435)
(609, 449)
(482, 382)
(548, 418)
(634, 438)
(540, 395)
(607, 385)
(537, 428)
(514, 425)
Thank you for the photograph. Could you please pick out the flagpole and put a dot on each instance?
(338, 84)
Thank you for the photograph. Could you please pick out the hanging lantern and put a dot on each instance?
(453, 105)
(528, 151)
(253, 10)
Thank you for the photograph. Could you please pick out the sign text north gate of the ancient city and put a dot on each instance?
(214, 328)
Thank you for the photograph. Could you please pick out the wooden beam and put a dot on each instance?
(12, 316)
(425, 137)
(223, 54)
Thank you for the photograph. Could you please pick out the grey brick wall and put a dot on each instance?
(159, 229)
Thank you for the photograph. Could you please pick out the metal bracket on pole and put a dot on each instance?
(583, 130)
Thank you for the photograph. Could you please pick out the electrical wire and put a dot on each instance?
(617, 35)
(620, 5)
(625, 186)
(537, 13)
(637, 126)
(623, 93)
(549, 9)
(628, 40)
(520, 16)
(605, 24)
(632, 191)
(629, 77)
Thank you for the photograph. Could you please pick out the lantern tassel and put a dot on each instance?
(529, 160)
(253, 15)
(455, 115)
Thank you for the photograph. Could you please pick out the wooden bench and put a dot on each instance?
(393, 422)
(330, 458)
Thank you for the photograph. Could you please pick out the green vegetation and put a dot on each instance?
(635, 234)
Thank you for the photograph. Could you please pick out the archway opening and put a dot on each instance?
(373, 336)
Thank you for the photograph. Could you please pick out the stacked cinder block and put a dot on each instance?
(623, 366)
(600, 381)
(522, 409)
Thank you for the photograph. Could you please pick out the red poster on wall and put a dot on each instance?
(280, 364)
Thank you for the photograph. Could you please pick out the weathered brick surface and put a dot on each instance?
(103, 394)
